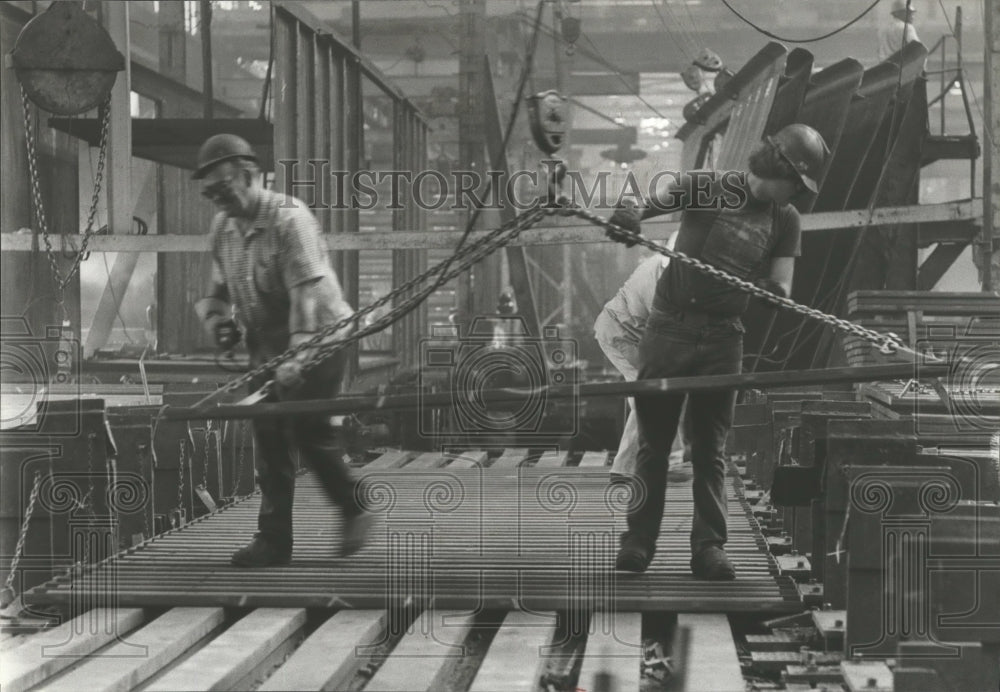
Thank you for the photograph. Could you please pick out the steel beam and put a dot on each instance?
(658, 230)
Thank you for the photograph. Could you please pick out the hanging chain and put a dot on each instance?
(886, 343)
(323, 345)
(87, 505)
(143, 465)
(36, 194)
(241, 461)
(469, 255)
(180, 475)
(208, 445)
(19, 548)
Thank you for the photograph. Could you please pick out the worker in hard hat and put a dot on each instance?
(898, 30)
(747, 229)
(271, 268)
(618, 330)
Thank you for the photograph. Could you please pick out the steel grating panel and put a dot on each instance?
(534, 539)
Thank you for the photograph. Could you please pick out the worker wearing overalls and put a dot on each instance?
(271, 263)
(748, 229)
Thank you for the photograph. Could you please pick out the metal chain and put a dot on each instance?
(36, 194)
(143, 458)
(19, 548)
(886, 343)
(88, 499)
(242, 458)
(204, 464)
(180, 475)
(474, 252)
(469, 255)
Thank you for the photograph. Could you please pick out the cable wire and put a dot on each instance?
(599, 114)
(786, 39)
(685, 38)
(618, 73)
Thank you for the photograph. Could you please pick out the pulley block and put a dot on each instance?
(65, 60)
(548, 113)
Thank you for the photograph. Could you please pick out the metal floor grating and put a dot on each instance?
(526, 538)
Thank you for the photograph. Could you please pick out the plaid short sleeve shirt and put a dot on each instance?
(281, 249)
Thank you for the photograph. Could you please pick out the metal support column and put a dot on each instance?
(471, 138)
(120, 128)
(991, 161)
(119, 183)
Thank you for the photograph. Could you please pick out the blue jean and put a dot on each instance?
(681, 344)
(315, 439)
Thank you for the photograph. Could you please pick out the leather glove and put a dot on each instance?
(288, 375)
(227, 333)
(629, 217)
(771, 286)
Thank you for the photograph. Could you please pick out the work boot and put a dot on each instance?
(261, 552)
(356, 531)
(635, 553)
(712, 563)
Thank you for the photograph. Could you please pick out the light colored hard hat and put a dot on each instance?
(219, 148)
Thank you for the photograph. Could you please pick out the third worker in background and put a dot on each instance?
(897, 30)
(618, 329)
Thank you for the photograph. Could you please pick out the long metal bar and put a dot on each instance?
(354, 404)
(926, 215)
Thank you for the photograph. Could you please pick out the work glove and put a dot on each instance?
(227, 333)
(629, 217)
(288, 376)
(771, 286)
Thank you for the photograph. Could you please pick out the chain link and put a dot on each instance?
(36, 194)
(143, 465)
(886, 343)
(208, 445)
(324, 348)
(323, 345)
(241, 461)
(19, 548)
(86, 505)
(180, 475)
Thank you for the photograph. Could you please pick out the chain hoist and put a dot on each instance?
(62, 281)
(7, 596)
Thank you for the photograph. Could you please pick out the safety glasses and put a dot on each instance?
(217, 189)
